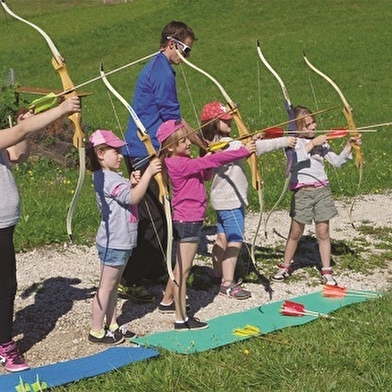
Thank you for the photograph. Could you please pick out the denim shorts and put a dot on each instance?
(113, 257)
(231, 223)
(187, 231)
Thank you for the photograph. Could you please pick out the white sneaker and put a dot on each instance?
(282, 273)
(328, 279)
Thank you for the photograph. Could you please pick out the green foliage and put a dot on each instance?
(45, 196)
(8, 105)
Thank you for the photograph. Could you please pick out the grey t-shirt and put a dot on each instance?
(9, 195)
(119, 219)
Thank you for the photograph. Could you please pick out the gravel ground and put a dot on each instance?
(56, 285)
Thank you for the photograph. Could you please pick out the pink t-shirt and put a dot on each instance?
(187, 175)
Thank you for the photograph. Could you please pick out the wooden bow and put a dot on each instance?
(243, 130)
(60, 66)
(152, 153)
(353, 131)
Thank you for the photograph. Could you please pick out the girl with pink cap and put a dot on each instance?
(117, 200)
(189, 203)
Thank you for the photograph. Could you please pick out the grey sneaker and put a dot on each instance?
(282, 273)
(190, 323)
(234, 290)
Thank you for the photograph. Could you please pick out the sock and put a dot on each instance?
(98, 334)
(182, 321)
(113, 327)
(166, 304)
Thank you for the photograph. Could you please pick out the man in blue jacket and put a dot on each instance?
(155, 101)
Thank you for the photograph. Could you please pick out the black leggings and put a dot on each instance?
(148, 258)
(7, 283)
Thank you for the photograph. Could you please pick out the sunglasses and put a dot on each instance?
(185, 48)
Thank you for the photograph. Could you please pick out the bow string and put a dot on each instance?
(353, 131)
(60, 66)
(243, 131)
(291, 130)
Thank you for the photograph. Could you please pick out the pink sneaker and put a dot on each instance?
(11, 359)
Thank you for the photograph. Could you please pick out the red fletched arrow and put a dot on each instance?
(337, 134)
(341, 292)
(334, 291)
(290, 308)
(272, 133)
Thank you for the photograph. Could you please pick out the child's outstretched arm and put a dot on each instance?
(140, 189)
(267, 145)
(30, 125)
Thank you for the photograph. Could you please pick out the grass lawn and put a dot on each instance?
(348, 40)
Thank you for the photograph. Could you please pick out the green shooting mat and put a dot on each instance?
(266, 318)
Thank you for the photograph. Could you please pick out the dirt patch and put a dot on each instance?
(56, 285)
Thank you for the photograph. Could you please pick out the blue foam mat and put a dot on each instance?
(76, 369)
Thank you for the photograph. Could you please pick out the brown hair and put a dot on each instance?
(210, 130)
(178, 30)
(92, 162)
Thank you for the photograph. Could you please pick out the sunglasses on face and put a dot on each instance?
(185, 48)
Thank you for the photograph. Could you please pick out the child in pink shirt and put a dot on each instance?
(189, 203)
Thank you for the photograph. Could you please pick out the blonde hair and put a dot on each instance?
(300, 114)
(172, 141)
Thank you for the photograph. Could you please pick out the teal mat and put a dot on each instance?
(220, 332)
(76, 369)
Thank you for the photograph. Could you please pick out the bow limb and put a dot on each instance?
(244, 133)
(59, 65)
(78, 140)
(347, 111)
(291, 129)
(163, 190)
(353, 132)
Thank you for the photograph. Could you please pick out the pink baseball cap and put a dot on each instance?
(214, 110)
(168, 128)
(101, 136)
